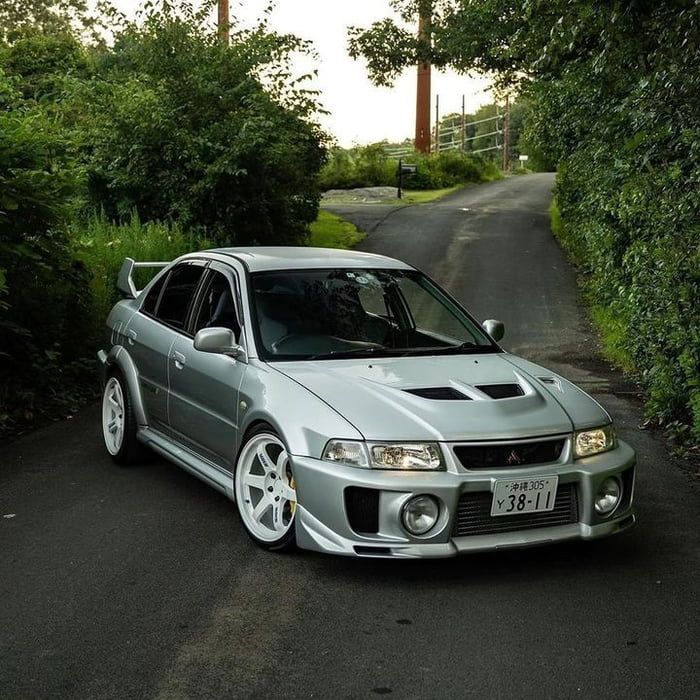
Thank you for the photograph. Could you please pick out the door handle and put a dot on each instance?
(131, 336)
(179, 359)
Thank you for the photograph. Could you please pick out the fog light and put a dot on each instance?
(420, 514)
(608, 496)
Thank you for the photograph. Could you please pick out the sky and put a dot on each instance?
(359, 112)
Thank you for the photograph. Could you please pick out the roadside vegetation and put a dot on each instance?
(331, 231)
(163, 141)
(371, 166)
(612, 91)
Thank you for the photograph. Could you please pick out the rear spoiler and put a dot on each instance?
(125, 281)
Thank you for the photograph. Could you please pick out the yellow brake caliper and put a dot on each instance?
(292, 504)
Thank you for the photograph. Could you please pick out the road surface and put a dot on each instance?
(140, 583)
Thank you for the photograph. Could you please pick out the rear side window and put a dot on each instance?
(151, 302)
(177, 295)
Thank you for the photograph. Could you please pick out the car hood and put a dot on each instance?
(372, 395)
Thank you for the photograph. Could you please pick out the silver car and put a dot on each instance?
(347, 404)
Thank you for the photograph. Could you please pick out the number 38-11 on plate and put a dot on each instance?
(524, 495)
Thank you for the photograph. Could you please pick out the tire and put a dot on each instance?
(264, 490)
(119, 425)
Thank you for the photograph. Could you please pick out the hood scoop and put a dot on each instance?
(439, 393)
(501, 391)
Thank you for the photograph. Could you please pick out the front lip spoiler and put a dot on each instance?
(309, 527)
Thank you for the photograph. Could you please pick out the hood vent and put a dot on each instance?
(440, 393)
(552, 381)
(501, 391)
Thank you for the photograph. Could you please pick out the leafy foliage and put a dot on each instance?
(43, 309)
(613, 92)
(19, 18)
(184, 130)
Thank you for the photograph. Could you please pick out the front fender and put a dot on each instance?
(118, 357)
(299, 416)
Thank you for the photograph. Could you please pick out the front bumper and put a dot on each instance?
(323, 523)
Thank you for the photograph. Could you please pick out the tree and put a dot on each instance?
(219, 138)
(19, 18)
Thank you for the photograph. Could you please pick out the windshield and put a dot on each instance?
(323, 314)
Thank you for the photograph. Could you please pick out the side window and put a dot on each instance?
(151, 302)
(177, 295)
(217, 307)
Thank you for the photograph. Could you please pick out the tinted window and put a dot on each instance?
(327, 313)
(151, 301)
(217, 308)
(435, 315)
(178, 294)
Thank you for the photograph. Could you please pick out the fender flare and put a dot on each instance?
(119, 357)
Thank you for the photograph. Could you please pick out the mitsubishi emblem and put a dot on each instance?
(513, 458)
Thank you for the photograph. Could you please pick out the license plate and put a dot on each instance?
(520, 496)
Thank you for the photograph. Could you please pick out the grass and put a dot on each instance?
(612, 330)
(608, 324)
(330, 231)
(426, 196)
(555, 218)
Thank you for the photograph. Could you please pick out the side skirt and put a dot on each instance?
(209, 473)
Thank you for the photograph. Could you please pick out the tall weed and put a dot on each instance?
(102, 246)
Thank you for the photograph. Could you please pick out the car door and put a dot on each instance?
(151, 332)
(204, 387)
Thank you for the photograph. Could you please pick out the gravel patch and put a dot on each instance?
(361, 194)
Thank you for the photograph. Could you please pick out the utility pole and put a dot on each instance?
(223, 21)
(464, 125)
(506, 136)
(437, 123)
(422, 141)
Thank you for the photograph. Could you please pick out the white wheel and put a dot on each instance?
(265, 492)
(113, 416)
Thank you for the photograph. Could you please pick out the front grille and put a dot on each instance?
(474, 514)
(509, 455)
(362, 508)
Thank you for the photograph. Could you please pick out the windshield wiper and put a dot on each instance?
(370, 350)
(466, 348)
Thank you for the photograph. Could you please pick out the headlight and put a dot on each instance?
(346, 451)
(410, 456)
(592, 442)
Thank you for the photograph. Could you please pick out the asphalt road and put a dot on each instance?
(131, 583)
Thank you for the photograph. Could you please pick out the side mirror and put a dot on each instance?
(218, 341)
(494, 328)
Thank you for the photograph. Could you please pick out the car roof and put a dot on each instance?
(300, 258)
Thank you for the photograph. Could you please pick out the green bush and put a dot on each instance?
(44, 307)
(638, 241)
(183, 129)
